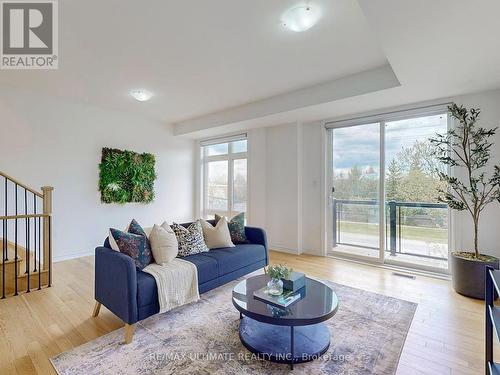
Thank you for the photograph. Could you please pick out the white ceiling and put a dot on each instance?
(441, 44)
(198, 56)
(436, 48)
(221, 65)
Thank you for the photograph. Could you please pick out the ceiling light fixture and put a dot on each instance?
(141, 95)
(300, 18)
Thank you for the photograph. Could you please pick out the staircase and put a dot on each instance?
(26, 237)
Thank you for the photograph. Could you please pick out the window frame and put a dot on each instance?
(382, 119)
(230, 157)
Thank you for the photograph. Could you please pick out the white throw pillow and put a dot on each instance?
(112, 242)
(148, 231)
(163, 244)
(218, 236)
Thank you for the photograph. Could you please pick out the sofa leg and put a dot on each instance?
(129, 333)
(97, 308)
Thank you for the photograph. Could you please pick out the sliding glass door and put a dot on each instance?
(356, 189)
(417, 223)
(383, 184)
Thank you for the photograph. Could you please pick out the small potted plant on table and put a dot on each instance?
(276, 273)
(467, 147)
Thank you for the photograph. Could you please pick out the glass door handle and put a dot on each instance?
(331, 197)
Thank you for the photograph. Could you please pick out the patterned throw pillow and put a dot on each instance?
(135, 228)
(236, 227)
(191, 239)
(133, 245)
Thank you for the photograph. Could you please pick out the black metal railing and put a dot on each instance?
(394, 222)
(33, 238)
(492, 326)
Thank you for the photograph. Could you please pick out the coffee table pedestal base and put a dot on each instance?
(284, 344)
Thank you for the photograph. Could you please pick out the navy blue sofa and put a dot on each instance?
(132, 295)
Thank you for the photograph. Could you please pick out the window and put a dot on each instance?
(224, 176)
(384, 184)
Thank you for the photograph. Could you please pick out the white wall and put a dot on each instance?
(312, 188)
(282, 184)
(284, 165)
(489, 226)
(288, 194)
(273, 156)
(51, 141)
(257, 177)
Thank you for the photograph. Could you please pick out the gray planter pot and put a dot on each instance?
(468, 276)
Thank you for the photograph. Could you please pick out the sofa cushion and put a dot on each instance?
(206, 266)
(147, 292)
(233, 258)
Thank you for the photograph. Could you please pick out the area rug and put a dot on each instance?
(367, 336)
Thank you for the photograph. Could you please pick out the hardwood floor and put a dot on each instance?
(446, 336)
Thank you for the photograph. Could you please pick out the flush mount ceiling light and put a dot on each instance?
(141, 95)
(300, 18)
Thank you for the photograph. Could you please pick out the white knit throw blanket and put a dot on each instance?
(177, 283)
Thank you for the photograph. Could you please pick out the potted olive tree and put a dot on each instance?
(466, 148)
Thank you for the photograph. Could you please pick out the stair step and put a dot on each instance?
(11, 254)
(22, 276)
(21, 259)
(22, 282)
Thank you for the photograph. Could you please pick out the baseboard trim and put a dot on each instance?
(284, 249)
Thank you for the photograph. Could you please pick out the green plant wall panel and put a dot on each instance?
(126, 176)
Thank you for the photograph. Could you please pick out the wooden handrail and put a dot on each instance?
(21, 184)
(10, 217)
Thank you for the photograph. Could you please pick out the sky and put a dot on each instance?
(359, 145)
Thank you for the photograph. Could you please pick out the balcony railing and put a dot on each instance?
(356, 224)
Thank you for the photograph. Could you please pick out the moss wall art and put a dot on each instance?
(126, 176)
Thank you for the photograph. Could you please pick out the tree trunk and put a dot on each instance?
(476, 227)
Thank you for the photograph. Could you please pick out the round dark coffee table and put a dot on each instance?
(289, 335)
